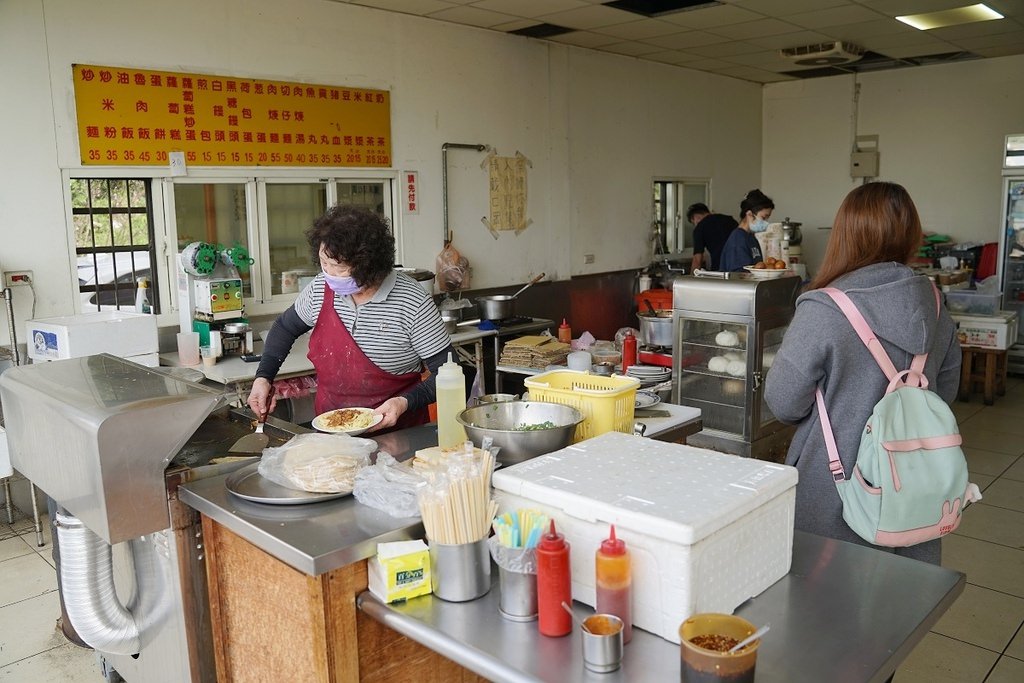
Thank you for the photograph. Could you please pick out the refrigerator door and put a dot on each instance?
(1011, 248)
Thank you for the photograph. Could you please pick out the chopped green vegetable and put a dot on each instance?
(530, 428)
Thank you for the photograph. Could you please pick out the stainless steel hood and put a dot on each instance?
(96, 434)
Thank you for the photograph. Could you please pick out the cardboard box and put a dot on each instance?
(997, 331)
(114, 332)
(706, 530)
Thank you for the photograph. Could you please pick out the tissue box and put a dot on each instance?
(400, 571)
(706, 530)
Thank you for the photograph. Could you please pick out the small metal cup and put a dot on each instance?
(602, 645)
(518, 600)
(459, 573)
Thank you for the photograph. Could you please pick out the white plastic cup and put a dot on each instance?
(209, 356)
(579, 360)
(645, 283)
(188, 348)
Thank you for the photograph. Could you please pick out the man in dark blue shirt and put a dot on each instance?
(710, 232)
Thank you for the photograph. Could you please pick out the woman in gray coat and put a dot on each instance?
(876, 232)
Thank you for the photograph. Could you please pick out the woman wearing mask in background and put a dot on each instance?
(875, 234)
(742, 248)
(373, 329)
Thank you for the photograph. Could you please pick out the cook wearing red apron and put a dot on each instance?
(346, 377)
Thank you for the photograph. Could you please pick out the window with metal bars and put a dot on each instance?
(114, 241)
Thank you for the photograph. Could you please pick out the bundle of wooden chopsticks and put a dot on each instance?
(456, 503)
(535, 351)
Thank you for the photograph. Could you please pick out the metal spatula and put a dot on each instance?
(255, 442)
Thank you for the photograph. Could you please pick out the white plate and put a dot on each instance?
(646, 399)
(320, 420)
(767, 273)
(646, 370)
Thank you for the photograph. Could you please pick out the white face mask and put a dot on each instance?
(758, 224)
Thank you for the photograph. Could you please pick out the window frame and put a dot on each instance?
(166, 268)
(680, 183)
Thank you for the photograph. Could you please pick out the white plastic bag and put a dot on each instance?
(318, 463)
(389, 486)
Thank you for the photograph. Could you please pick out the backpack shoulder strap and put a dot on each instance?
(863, 330)
(835, 465)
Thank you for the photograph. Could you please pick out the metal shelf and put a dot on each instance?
(708, 341)
(703, 370)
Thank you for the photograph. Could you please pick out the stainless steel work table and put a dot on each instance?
(843, 613)
(318, 537)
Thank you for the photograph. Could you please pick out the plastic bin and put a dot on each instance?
(606, 402)
(706, 530)
(972, 302)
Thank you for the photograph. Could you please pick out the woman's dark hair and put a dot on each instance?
(876, 223)
(359, 238)
(754, 202)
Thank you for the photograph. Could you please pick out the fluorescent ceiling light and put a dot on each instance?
(950, 17)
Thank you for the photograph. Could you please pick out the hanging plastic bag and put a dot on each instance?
(452, 269)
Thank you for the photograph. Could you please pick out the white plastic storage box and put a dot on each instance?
(127, 335)
(706, 530)
(998, 331)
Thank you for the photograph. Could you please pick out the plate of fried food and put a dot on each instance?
(351, 421)
(769, 269)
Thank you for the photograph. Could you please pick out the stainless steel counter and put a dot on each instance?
(844, 613)
(318, 537)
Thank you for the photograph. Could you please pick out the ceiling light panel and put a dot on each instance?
(951, 17)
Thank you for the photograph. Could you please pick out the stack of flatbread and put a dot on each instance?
(536, 351)
(435, 456)
(317, 463)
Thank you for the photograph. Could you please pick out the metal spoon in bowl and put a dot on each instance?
(579, 622)
(749, 639)
(650, 307)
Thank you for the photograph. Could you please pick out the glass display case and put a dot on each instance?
(728, 330)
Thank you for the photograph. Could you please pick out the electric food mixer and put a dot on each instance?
(211, 299)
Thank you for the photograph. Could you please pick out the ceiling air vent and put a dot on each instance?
(823, 54)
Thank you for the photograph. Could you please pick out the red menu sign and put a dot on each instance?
(137, 117)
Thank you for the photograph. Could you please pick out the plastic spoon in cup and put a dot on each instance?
(749, 639)
(579, 622)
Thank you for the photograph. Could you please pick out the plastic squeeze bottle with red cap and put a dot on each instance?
(628, 351)
(564, 332)
(615, 582)
(554, 584)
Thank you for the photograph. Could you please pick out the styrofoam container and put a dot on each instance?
(706, 530)
(998, 331)
(115, 332)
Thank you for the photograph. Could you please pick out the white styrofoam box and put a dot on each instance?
(997, 331)
(6, 469)
(706, 530)
(115, 332)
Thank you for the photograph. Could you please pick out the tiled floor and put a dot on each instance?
(981, 638)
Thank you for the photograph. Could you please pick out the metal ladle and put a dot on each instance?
(650, 307)
(528, 285)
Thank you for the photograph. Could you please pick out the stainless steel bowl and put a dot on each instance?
(504, 423)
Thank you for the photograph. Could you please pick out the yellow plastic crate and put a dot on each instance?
(606, 402)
